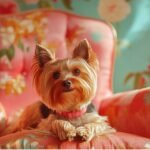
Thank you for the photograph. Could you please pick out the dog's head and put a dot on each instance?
(68, 84)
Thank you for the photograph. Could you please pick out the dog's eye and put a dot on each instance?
(76, 71)
(56, 75)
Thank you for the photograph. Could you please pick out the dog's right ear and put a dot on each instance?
(43, 55)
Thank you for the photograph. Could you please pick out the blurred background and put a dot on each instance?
(131, 19)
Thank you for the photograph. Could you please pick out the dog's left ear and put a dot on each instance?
(84, 50)
(43, 55)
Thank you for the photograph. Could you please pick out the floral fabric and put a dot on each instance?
(18, 37)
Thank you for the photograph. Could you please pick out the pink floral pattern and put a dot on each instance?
(18, 36)
(14, 33)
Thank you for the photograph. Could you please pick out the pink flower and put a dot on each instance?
(8, 7)
(114, 10)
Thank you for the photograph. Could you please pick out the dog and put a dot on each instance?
(67, 88)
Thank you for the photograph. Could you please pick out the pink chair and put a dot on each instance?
(60, 31)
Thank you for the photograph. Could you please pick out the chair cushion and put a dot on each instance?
(129, 111)
(38, 139)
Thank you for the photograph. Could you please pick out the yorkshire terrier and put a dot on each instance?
(67, 88)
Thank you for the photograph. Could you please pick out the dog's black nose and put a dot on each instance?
(66, 84)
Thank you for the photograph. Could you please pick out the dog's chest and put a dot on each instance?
(84, 119)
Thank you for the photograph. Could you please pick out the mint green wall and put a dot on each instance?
(82, 7)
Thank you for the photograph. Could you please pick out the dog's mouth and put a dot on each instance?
(68, 90)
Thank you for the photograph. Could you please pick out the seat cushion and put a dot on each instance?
(41, 140)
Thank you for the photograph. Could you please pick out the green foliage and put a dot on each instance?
(44, 4)
(67, 4)
(128, 77)
(20, 45)
(9, 52)
(140, 79)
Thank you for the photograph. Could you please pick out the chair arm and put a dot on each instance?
(129, 111)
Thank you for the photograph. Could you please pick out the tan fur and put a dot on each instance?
(50, 79)
(61, 128)
(30, 117)
(86, 126)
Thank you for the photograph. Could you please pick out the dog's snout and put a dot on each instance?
(66, 84)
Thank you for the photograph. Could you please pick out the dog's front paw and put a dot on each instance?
(71, 134)
(67, 133)
(63, 129)
(84, 133)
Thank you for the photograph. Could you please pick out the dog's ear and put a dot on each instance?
(84, 50)
(43, 55)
